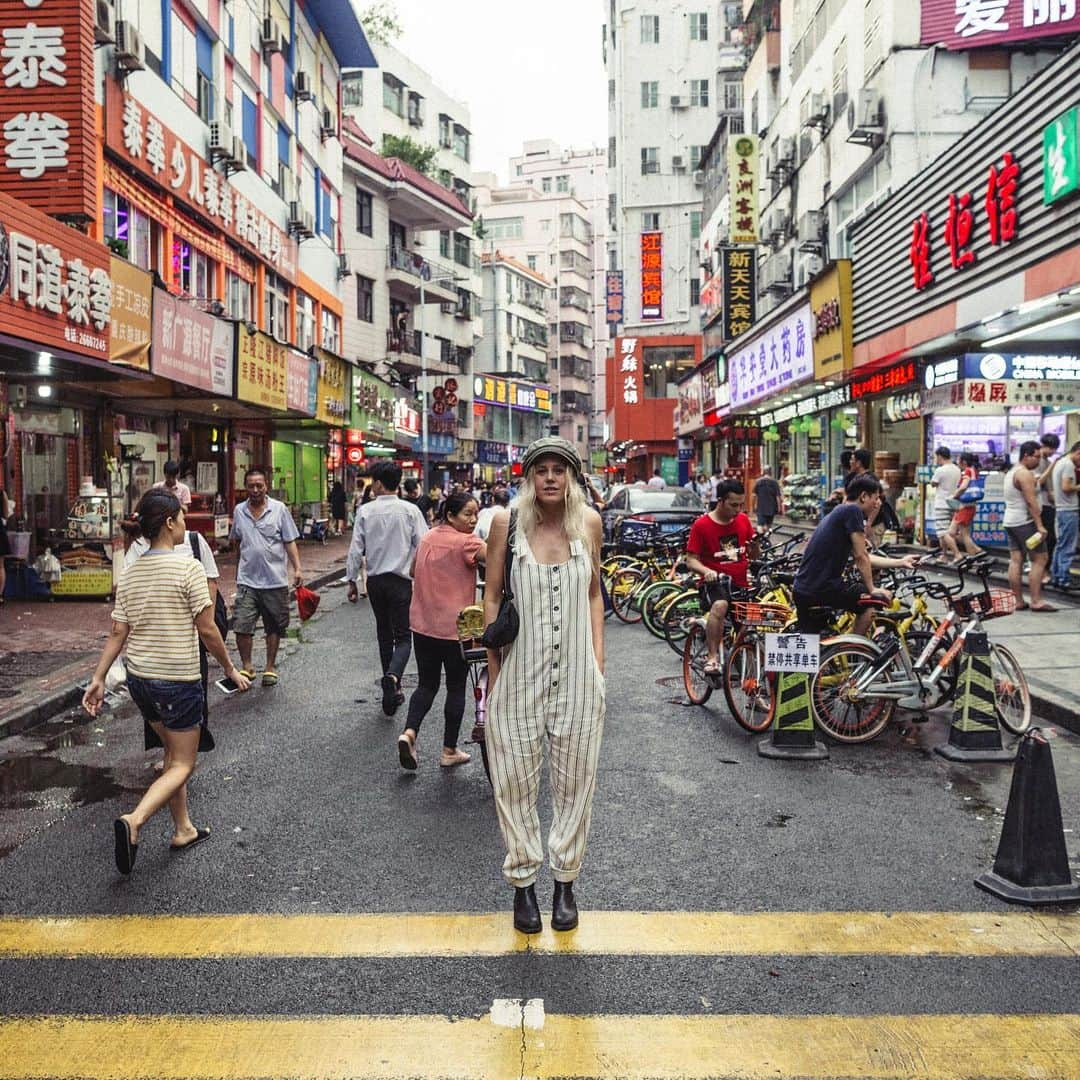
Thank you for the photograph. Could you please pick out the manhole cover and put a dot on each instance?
(670, 682)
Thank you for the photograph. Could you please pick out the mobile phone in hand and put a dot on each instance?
(227, 686)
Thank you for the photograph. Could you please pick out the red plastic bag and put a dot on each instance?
(307, 602)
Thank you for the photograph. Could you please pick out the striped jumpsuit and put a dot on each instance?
(549, 685)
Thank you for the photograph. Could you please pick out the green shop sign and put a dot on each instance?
(373, 404)
(1061, 174)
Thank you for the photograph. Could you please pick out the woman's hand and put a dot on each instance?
(241, 680)
(94, 697)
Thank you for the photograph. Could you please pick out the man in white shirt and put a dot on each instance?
(1067, 506)
(656, 480)
(387, 531)
(501, 499)
(172, 484)
(945, 481)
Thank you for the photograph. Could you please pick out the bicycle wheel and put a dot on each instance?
(698, 686)
(944, 690)
(748, 690)
(838, 711)
(624, 591)
(1011, 692)
(652, 599)
(677, 615)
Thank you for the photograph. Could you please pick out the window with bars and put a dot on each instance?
(733, 95)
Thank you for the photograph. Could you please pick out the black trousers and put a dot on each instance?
(390, 596)
(432, 656)
(1048, 516)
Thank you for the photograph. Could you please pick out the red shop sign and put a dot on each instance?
(894, 378)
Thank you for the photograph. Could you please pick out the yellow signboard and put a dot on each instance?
(83, 583)
(830, 306)
(262, 369)
(130, 333)
(743, 188)
(332, 405)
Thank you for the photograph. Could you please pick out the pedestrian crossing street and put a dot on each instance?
(529, 1037)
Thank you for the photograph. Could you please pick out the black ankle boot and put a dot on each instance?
(564, 907)
(526, 911)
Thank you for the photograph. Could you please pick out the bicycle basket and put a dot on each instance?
(996, 602)
(763, 615)
(470, 623)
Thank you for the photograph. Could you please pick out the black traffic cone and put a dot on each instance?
(1032, 866)
(975, 734)
(792, 732)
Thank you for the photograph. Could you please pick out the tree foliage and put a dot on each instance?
(380, 22)
(411, 152)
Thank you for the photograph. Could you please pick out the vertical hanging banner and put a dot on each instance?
(743, 188)
(47, 121)
(615, 297)
(652, 275)
(738, 267)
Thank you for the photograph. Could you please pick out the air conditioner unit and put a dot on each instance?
(130, 51)
(811, 225)
(678, 164)
(238, 157)
(776, 272)
(269, 38)
(328, 128)
(817, 112)
(342, 265)
(650, 167)
(779, 224)
(104, 33)
(699, 177)
(296, 215)
(677, 102)
(785, 153)
(302, 87)
(813, 265)
(307, 223)
(770, 161)
(220, 143)
(866, 121)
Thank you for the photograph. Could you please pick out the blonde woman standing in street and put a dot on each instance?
(548, 684)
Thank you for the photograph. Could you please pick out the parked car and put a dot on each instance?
(634, 514)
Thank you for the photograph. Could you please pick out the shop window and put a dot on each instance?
(365, 299)
(331, 331)
(305, 321)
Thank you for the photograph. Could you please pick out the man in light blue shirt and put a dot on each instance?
(266, 533)
(387, 530)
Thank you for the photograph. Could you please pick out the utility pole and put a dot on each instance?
(424, 479)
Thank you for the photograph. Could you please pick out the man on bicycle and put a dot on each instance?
(839, 536)
(720, 547)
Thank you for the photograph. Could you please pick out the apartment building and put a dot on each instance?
(662, 108)
(550, 233)
(401, 99)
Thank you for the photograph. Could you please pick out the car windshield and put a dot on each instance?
(667, 499)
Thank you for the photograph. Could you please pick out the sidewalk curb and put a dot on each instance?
(65, 697)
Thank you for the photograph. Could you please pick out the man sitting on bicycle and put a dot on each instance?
(720, 547)
(842, 535)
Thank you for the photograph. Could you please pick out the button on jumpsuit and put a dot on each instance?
(550, 686)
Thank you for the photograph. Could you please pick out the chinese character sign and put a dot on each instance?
(780, 358)
(738, 266)
(830, 304)
(652, 275)
(793, 652)
(742, 166)
(301, 383)
(191, 346)
(628, 373)
(615, 298)
(145, 144)
(967, 24)
(47, 117)
(333, 394)
(129, 341)
(262, 369)
(690, 405)
(1061, 156)
(529, 397)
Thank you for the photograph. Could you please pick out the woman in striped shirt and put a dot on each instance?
(549, 683)
(162, 610)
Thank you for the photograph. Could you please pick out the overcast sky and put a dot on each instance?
(526, 70)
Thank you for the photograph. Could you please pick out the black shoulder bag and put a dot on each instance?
(504, 629)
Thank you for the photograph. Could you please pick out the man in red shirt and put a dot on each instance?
(720, 547)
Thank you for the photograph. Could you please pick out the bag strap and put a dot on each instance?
(511, 537)
(193, 540)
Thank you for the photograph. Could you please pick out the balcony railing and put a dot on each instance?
(405, 341)
(419, 267)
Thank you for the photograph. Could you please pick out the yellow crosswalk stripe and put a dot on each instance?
(602, 933)
(748, 1047)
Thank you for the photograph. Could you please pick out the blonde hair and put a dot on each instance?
(574, 507)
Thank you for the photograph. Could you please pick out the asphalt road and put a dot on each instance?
(311, 814)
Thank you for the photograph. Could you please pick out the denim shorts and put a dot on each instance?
(177, 705)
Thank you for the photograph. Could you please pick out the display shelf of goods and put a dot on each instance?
(86, 569)
(802, 496)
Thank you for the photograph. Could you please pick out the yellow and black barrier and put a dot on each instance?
(792, 732)
(975, 734)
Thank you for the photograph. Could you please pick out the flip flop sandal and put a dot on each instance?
(270, 678)
(125, 849)
(246, 673)
(200, 836)
(1045, 607)
(406, 749)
